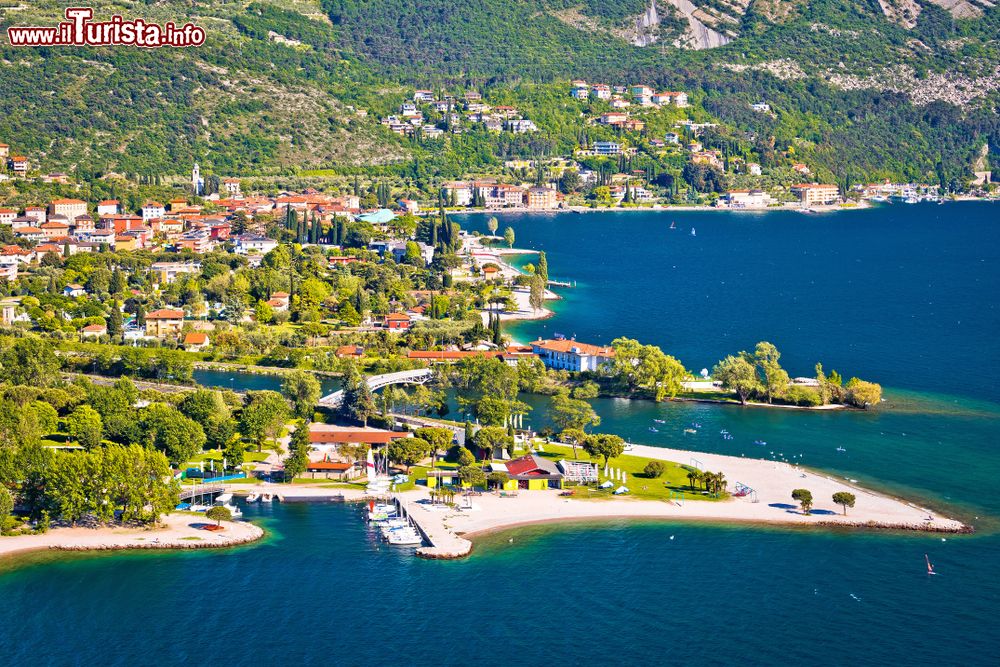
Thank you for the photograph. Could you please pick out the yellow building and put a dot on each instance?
(814, 194)
(164, 323)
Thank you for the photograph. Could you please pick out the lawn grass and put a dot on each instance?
(674, 478)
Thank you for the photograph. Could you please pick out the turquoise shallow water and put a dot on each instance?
(903, 295)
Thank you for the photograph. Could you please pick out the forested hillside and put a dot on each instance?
(281, 86)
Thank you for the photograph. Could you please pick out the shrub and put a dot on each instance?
(654, 469)
(804, 396)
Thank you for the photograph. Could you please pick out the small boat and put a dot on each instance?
(660, 421)
(673, 225)
(724, 432)
(266, 498)
(696, 424)
(653, 430)
(841, 449)
(252, 497)
(693, 233)
(930, 568)
(224, 498)
(761, 443)
(911, 200)
(690, 430)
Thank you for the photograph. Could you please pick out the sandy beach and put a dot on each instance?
(177, 531)
(452, 532)
(521, 295)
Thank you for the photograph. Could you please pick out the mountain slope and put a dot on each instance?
(281, 85)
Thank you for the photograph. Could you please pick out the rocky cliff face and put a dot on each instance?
(706, 24)
(906, 12)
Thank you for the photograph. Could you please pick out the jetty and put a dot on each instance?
(430, 521)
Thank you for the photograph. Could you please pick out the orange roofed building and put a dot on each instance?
(327, 436)
(164, 322)
(570, 355)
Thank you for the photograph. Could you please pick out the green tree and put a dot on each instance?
(492, 225)
(303, 390)
(263, 416)
(118, 284)
(6, 507)
(85, 426)
(647, 367)
(263, 312)
(572, 413)
(490, 438)
(30, 361)
(536, 297)
(605, 445)
(654, 469)
(472, 475)
(863, 394)
(218, 514)
(774, 377)
(115, 322)
(357, 403)
(438, 438)
(408, 451)
(165, 428)
(574, 437)
(805, 499)
(464, 457)
(508, 237)
(298, 448)
(497, 479)
(844, 499)
(738, 375)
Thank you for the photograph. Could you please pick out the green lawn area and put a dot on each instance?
(674, 478)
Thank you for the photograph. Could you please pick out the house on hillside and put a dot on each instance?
(164, 323)
(196, 341)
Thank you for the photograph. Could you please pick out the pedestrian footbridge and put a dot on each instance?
(416, 376)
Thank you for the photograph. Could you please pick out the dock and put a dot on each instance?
(442, 543)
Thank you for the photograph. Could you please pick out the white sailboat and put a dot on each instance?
(377, 484)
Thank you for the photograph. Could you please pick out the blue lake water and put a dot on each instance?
(903, 295)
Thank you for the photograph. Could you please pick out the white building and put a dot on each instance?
(252, 244)
(197, 182)
(572, 356)
(607, 148)
(153, 210)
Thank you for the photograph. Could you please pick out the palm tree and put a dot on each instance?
(720, 482)
(693, 476)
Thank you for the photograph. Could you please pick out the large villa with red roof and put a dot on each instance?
(564, 354)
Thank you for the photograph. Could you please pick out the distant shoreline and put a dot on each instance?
(862, 205)
(176, 532)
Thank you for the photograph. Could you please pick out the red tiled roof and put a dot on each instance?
(526, 465)
(165, 314)
(196, 338)
(372, 436)
(329, 465)
(571, 345)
